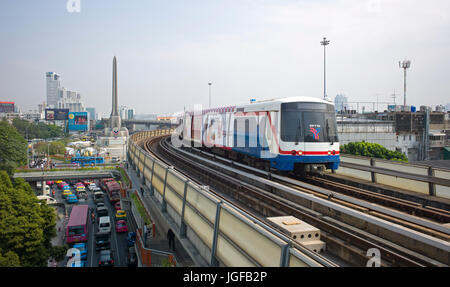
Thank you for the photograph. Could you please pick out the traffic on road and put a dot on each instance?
(97, 230)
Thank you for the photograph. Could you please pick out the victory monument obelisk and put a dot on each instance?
(115, 129)
(115, 136)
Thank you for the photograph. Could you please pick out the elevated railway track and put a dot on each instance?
(405, 233)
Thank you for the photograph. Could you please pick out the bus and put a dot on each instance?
(112, 188)
(88, 160)
(77, 227)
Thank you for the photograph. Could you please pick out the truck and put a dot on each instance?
(111, 188)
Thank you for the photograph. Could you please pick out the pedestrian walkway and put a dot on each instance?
(160, 242)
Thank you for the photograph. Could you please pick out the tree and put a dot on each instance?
(13, 147)
(27, 225)
(372, 150)
(55, 147)
(37, 130)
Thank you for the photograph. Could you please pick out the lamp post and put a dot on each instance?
(404, 65)
(324, 43)
(209, 84)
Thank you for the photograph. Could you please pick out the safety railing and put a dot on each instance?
(418, 178)
(222, 234)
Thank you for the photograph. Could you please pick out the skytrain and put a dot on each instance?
(289, 134)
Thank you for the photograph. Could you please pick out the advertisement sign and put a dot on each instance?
(78, 121)
(56, 114)
(6, 107)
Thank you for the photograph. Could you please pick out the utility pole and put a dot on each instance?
(209, 84)
(324, 43)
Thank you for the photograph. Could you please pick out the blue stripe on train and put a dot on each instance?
(286, 162)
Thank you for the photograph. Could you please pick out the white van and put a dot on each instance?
(104, 224)
(48, 199)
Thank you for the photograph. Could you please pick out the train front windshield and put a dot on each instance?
(308, 122)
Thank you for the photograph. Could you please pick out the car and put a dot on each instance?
(100, 204)
(49, 182)
(66, 187)
(131, 238)
(102, 211)
(104, 224)
(58, 181)
(121, 214)
(96, 189)
(48, 199)
(132, 257)
(83, 250)
(102, 241)
(72, 198)
(98, 196)
(66, 193)
(121, 226)
(92, 185)
(117, 206)
(80, 189)
(106, 258)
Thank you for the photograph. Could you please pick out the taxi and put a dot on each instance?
(80, 188)
(121, 214)
(66, 193)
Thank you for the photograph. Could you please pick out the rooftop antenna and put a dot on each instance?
(394, 95)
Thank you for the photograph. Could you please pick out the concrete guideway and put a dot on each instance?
(210, 224)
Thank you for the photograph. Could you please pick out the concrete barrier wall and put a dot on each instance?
(217, 229)
(418, 186)
(360, 174)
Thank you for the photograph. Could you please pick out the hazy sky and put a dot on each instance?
(168, 50)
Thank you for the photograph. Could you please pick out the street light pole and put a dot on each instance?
(404, 65)
(324, 43)
(209, 84)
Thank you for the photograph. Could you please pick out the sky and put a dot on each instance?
(168, 51)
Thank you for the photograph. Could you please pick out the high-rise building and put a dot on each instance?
(70, 100)
(92, 114)
(126, 113)
(340, 103)
(131, 113)
(53, 85)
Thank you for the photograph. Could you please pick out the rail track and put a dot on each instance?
(349, 225)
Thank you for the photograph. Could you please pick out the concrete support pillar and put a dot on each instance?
(431, 186)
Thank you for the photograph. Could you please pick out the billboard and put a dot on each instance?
(6, 107)
(78, 121)
(56, 114)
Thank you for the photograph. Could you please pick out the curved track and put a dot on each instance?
(344, 239)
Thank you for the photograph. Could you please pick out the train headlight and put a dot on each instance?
(334, 152)
(293, 152)
(300, 152)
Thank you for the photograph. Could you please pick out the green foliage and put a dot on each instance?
(59, 252)
(55, 147)
(37, 130)
(13, 148)
(141, 209)
(372, 150)
(26, 227)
